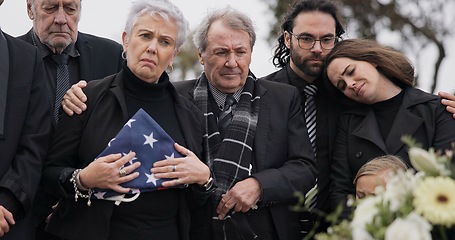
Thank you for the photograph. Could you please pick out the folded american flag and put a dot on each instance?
(142, 135)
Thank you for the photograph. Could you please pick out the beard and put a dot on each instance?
(304, 65)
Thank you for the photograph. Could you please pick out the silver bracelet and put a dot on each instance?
(78, 182)
(75, 180)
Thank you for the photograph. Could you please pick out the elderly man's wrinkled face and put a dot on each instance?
(55, 21)
(227, 57)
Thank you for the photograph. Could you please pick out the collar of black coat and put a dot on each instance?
(4, 78)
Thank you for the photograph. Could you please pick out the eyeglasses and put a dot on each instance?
(307, 42)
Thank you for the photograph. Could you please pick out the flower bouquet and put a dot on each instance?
(416, 204)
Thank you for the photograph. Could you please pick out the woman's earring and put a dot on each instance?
(171, 67)
(124, 55)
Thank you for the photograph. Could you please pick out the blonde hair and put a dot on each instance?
(380, 164)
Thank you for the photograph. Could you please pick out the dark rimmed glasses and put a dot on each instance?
(307, 42)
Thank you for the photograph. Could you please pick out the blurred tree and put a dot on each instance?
(407, 25)
(186, 61)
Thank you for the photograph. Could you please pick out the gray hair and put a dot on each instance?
(163, 8)
(231, 18)
(32, 2)
(33, 8)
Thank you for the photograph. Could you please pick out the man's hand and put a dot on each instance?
(6, 219)
(74, 99)
(242, 197)
(449, 101)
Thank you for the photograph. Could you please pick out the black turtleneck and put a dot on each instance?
(152, 213)
(156, 99)
(386, 111)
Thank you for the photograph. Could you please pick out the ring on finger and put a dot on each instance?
(174, 168)
(121, 172)
(188, 152)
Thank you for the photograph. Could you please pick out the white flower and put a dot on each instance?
(410, 203)
(412, 227)
(399, 188)
(425, 161)
(351, 201)
(361, 234)
(434, 198)
(365, 212)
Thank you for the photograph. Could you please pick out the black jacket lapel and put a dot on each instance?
(4, 72)
(369, 130)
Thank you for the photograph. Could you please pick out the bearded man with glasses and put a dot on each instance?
(307, 42)
(311, 28)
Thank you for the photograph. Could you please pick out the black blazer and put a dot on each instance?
(328, 112)
(25, 125)
(421, 116)
(79, 139)
(99, 57)
(282, 152)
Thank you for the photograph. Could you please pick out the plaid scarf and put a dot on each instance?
(230, 158)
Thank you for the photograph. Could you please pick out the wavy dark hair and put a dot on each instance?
(391, 63)
(282, 53)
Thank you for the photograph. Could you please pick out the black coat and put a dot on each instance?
(421, 115)
(282, 154)
(328, 112)
(99, 57)
(79, 139)
(25, 126)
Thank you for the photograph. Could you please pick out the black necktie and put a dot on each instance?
(226, 115)
(63, 81)
(310, 118)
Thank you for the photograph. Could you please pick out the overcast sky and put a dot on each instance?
(107, 18)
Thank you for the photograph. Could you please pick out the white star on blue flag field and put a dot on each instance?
(144, 136)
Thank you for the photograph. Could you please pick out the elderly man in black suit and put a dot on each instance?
(25, 127)
(55, 33)
(262, 156)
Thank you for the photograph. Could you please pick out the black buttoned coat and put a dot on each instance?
(283, 157)
(421, 115)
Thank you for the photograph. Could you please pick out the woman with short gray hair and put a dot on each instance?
(142, 188)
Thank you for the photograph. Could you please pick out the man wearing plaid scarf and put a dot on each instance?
(264, 156)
